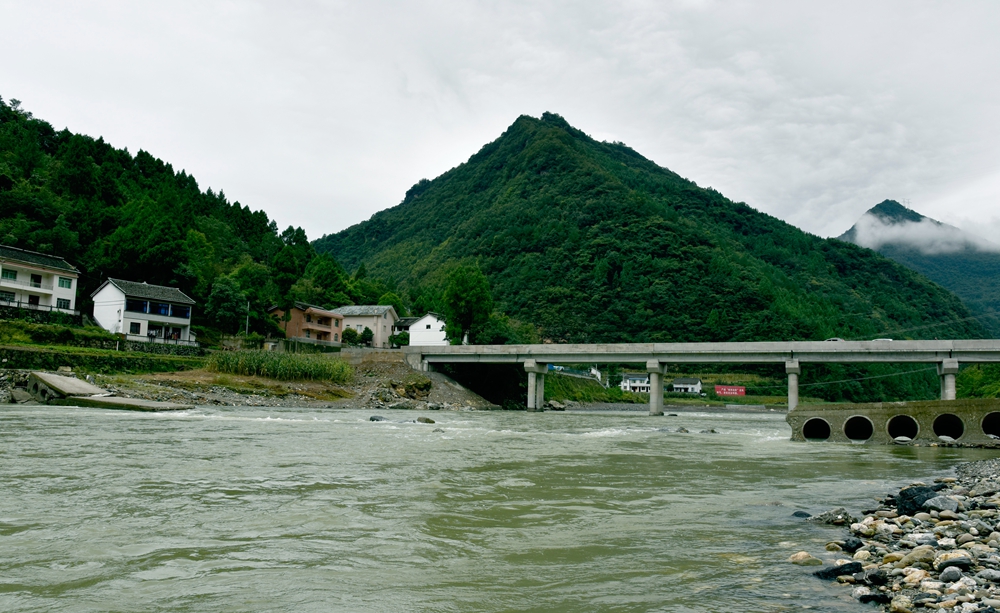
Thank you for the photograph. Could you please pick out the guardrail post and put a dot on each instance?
(793, 370)
(656, 371)
(947, 370)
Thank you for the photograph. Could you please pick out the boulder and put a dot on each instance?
(20, 396)
(836, 517)
(376, 418)
(803, 558)
(923, 553)
(801, 514)
(425, 420)
(910, 500)
(940, 503)
(836, 571)
(951, 574)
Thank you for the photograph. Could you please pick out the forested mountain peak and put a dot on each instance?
(593, 242)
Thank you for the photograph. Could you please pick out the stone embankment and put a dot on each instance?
(926, 547)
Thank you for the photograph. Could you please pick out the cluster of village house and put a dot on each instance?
(147, 312)
(639, 383)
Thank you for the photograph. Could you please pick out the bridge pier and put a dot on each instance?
(947, 370)
(793, 370)
(656, 371)
(536, 384)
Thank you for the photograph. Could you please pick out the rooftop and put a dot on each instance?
(33, 257)
(148, 291)
(363, 309)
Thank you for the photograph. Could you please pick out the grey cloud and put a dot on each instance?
(927, 236)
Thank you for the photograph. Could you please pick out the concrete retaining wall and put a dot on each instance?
(968, 421)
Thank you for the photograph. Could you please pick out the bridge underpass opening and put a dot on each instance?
(949, 425)
(991, 424)
(859, 428)
(816, 429)
(903, 425)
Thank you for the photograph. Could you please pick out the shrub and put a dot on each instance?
(281, 366)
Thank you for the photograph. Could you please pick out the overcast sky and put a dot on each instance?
(322, 113)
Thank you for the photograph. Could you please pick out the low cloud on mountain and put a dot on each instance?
(927, 236)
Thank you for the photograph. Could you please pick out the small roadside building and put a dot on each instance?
(687, 385)
(32, 280)
(310, 322)
(380, 319)
(144, 312)
(426, 331)
(635, 382)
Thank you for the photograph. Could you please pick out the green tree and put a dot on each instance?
(392, 299)
(227, 305)
(467, 301)
(367, 336)
(349, 336)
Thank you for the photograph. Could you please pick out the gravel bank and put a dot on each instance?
(926, 547)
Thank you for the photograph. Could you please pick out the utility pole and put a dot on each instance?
(247, 333)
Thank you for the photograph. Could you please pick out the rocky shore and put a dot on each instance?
(926, 547)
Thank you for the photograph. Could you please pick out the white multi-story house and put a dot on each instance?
(379, 319)
(635, 382)
(32, 280)
(425, 331)
(144, 312)
(687, 386)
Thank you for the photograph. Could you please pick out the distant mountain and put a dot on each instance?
(593, 242)
(965, 264)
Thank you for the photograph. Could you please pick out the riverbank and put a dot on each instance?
(931, 546)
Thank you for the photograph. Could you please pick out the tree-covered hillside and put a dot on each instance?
(114, 214)
(592, 242)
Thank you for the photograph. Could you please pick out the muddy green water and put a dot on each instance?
(246, 509)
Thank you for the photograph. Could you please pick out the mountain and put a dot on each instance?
(964, 263)
(592, 242)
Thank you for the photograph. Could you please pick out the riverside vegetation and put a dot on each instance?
(281, 366)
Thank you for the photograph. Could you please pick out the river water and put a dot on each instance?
(251, 509)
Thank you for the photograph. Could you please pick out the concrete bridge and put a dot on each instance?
(946, 354)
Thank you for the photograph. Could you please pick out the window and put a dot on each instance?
(159, 308)
(309, 319)
(336, 323)
(64, 282)
(62, 303)
(10, 275)
(33, 301)
(336, 337)
(360, 328)
(184, 312)
(7, 296)
(135, 306)
(308, 333)
(134, 327)
(428, 326)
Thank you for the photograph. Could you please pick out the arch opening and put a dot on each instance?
(903, 425)
(991, 424)
(816, 429)
(949, 425)
(859, 428)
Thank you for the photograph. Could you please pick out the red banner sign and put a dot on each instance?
(730, 390)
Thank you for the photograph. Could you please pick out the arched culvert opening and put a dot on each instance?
(34, 388)
(903, 425)
(816, 429)
(991, 424)
(949, 425)
(859, 428)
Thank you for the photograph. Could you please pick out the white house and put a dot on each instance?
(687, 386)
(144, 312)
(635, 382)
(426, 331)
(32, 280)
(379, 319)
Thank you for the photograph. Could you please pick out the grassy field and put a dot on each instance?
(51, 357)
(282, 366)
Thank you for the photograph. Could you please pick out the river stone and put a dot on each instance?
(875, 599)
(894, 556)
(923, 553)
(803, 558)
(947, 543)
(914, 578)
(801, 514)
(836, 571)
(860, 591)
(438, 430)
(682, 430)
(940, 503)
(837, 517)
(965, 538)
(951, 574)
(425, 420)
(901, 604)
(910, 500)
(959, 558)
(376, 418)
(863, 555)
(833, 546)
(922, 516)
(991, 602)
(852, 544)
(989, 574)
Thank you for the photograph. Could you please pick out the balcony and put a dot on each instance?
(142, 338)
(35, 307)
(45, 287)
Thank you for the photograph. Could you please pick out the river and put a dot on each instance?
(250, 509)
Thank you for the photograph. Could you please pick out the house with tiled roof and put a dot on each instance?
(380, 319)
(309, 322)
(144, 312)
(33, 280)
(428, 330)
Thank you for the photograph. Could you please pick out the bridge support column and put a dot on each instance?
(947, 371)
(536, 384)
(793, 370)
(656, 371)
